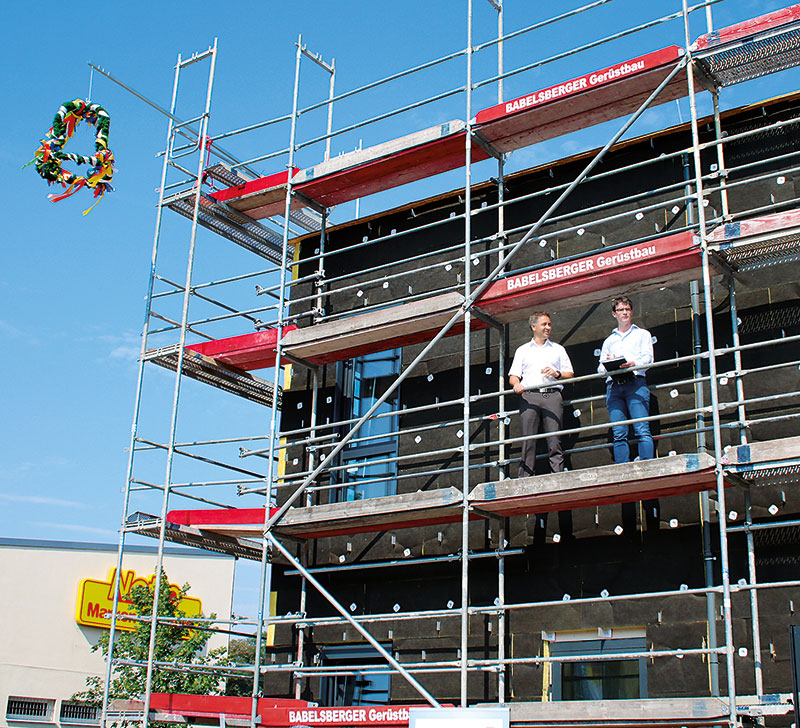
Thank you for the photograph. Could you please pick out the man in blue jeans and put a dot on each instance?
(627, 394)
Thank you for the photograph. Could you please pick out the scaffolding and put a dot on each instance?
(310, 485)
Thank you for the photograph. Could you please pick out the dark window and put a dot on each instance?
(366, 473)
(27, 709)
(353, 687)
(622, 679)
(79, 713)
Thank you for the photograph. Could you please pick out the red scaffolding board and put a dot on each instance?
(593, 278)
(581, 102)
(256, 350)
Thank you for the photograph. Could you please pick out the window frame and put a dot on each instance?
(596, 645)
(354, 402)
(78, 721)
(333, 655)
(45, 717)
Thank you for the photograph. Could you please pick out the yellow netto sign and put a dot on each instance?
(96, 600)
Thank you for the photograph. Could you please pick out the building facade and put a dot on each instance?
(46, 651)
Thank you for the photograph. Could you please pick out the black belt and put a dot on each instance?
(550, 390)
(626, 378)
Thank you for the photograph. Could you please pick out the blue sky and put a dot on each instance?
(72, 286)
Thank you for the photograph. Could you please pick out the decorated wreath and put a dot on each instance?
(50, 155)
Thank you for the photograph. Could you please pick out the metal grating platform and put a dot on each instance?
(209, 371)
(147, 525)
(230, 224)
(739, 62)
(779, 476)
(765, 253)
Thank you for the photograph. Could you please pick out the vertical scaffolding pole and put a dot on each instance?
(138, 397)
(266, 549)
(712, 365)
(704, 502)
(464, 662)
(187, 293)
(758, 672)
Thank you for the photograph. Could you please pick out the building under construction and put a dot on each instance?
(408, 563)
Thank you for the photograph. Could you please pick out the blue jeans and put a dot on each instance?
(629, 401)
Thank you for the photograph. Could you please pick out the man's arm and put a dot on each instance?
(516, 383)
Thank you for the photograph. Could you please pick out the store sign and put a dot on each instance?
(458, 718)
(96, 600)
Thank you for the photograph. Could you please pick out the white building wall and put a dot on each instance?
(44, 653)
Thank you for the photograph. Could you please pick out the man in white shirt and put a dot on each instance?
(627, 394)
(537, 368)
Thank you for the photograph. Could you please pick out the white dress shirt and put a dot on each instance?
(634, 345)
(530, 359)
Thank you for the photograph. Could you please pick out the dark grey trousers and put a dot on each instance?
(541, 412)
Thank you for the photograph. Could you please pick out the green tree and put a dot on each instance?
(179, 642)
(243, 652)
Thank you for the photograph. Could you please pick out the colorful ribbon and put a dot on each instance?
(49, 156)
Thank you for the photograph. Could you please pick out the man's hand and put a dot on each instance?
(517, 384)
(552, 373)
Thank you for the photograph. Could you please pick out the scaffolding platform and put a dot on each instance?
(229, 223)
(744, 459)
(145, 524)
(620, 483)
(407, 510)
(221, 710)
(366, 171)
(256, 350)
(582, 102)
(386, 328)
(759, 242)
(623, 483)
(663, 262)
(639, 713)
(591, 279)
(751, 49)
(731, 55)
(259, 198)
(216, 373)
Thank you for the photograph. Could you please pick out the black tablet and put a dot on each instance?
(612, 365)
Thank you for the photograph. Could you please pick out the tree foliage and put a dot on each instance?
(180, 643)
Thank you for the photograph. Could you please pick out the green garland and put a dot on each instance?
(50, 155)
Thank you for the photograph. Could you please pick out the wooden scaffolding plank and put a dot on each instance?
(259, 198)
(407, 159)
(640, 713)
(367, 515)
(581, 102)
(742, 458)
(386, 328)
(620, 483)
(594, 278)
(255, 350)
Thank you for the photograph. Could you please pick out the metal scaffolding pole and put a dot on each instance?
(712, 363)
(266, 556)
(465, 427)
(138, 396)
(179, 373)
